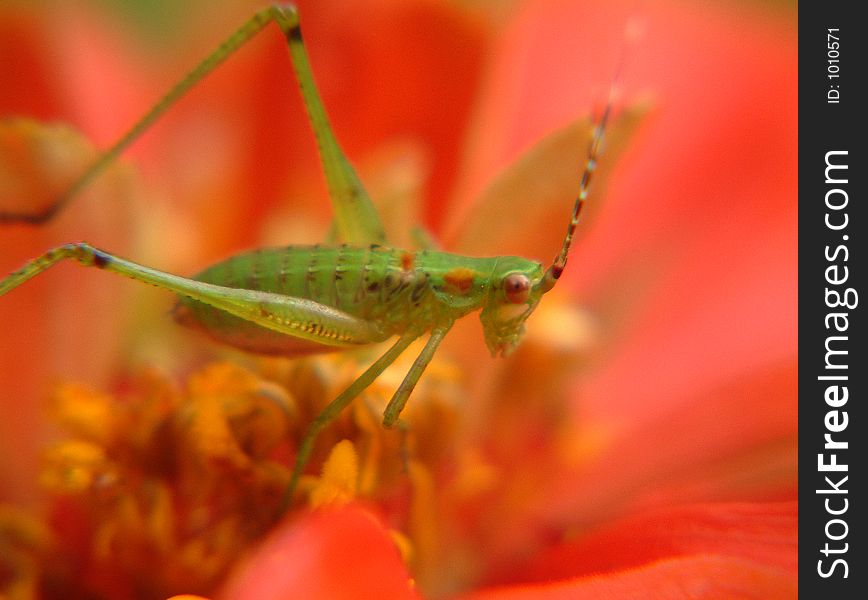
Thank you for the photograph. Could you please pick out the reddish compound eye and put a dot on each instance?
(517, 288)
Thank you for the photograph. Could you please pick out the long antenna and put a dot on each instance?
(554, 271)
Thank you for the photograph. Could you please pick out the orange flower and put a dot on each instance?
(641, 442)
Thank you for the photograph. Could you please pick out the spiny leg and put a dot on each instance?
(356, 217)
(293, 316)
(336, 406)
(402, 394)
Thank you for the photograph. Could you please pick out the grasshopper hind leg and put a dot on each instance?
(356, 218)
(297, 317)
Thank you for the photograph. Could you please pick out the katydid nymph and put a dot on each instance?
(306, 299)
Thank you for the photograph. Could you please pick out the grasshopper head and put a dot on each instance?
(516, 289)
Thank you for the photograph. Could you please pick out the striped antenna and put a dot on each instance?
(554, 271)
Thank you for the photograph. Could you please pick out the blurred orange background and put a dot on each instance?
(687, 267)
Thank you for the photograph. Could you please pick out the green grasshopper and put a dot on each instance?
(306, 299)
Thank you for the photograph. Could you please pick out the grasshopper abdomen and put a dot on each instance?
(390, 287)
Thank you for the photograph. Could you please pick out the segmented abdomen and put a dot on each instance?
(376, 283)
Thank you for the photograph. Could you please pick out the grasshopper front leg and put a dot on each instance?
(336, 406)
(402, 394)
(393, 409)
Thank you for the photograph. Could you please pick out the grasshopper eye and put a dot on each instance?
(516, 287)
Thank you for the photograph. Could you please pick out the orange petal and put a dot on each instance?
(722, 446)
(343, 554)
(691, 578)
(526, 206)
(762, 533)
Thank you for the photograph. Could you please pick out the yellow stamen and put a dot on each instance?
(338, 483)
